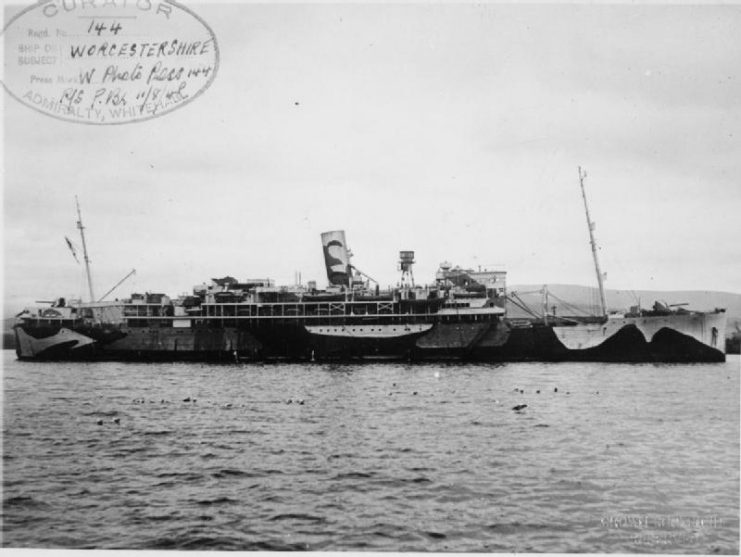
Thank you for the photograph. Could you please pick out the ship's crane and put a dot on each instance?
(119, 283)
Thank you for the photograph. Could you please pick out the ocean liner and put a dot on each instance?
(461, 316)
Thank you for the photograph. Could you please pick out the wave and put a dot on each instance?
(298, 516)
(217, 501)
(182, 476)
(353, 476)
(23, 502)
(234, 473)
(102, 413)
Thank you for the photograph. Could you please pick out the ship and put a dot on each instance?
(464, 315)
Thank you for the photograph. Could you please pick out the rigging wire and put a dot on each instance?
(569, 306)
(522, 305)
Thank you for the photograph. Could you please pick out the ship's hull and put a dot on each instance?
(688, 337)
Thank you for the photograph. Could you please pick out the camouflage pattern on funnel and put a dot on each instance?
(336, 257)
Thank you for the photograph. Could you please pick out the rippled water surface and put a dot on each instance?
(620, 458)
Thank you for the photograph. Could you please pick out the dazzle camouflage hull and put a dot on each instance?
(358, 330)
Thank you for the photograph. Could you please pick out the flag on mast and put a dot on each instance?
(72, 249)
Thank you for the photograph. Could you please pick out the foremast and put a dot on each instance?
(593, 243)
(84, 250)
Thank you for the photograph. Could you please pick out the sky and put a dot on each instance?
(454, 130)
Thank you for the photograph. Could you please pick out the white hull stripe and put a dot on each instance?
(30, 346)
(369, 331)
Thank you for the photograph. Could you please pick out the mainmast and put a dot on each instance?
(590, 225)
(84, 250)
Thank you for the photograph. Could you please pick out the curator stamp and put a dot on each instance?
(108, 61)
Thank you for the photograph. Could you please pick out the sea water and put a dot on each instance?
(385, 457)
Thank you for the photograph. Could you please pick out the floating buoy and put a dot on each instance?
(116, 420)
(519, 407)
(187, 399)
(100, 422)
(537, 392)
(555, 390)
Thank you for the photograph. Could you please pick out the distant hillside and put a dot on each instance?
(8, 336)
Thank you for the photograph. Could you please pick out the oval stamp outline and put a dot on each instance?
(39, 4)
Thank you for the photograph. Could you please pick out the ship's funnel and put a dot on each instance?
(336, 257)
